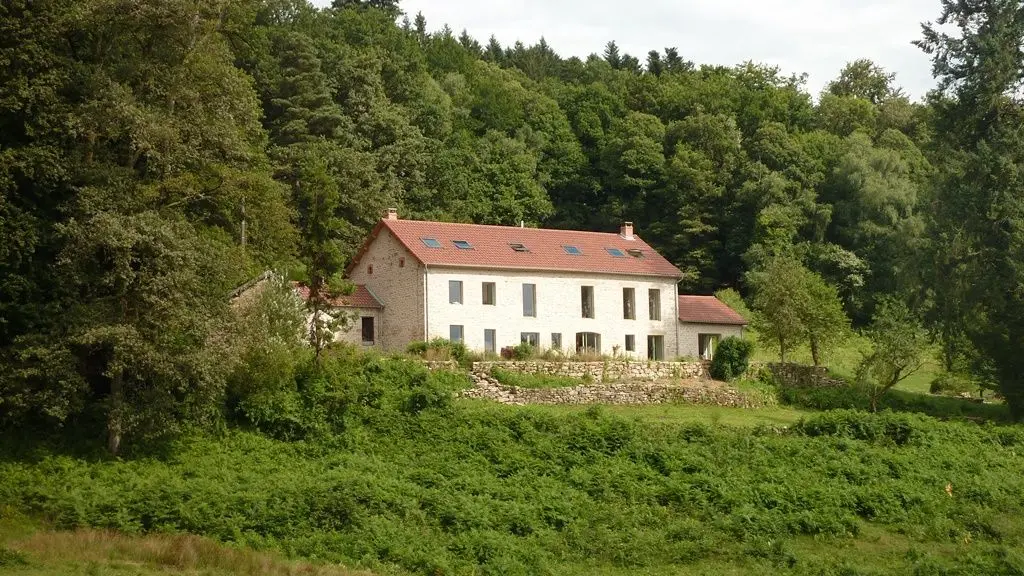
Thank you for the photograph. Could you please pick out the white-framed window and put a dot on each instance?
(556, 340)
(531, 338)
(455, 291)
(490, 341)
(629, 304)
(530, 300)
(630, 343)
(456, 333)
(655, 347)
(654, 303)
(588, 343)
(490, 293)
(587, 301)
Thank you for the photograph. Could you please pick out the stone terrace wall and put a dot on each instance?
(635, 392)
(610, 371)
(802, 376)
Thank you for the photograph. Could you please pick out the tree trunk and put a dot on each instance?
(814, 352)
(782, 351)
(115, 417)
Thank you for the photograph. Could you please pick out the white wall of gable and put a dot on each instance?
(559, 308)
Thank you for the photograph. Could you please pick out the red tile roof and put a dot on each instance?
(360, 298)
(491, 248)
(707, 310)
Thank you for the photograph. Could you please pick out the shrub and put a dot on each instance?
(417, 348)
(893, 427)
(731, 358)
(951, 384)
(523, 351)
(552, 355)
(440, 349)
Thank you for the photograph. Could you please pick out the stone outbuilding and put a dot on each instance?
(364, 314)
(703, 322)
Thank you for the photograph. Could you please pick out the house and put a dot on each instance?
(496, 286)
(703, 322)
(491, 287)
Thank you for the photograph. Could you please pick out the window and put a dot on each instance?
(455, 333)
(556, 340)
(489, 293)
(587, 300)
(588, 343)
(490, 341)
(656, 348)
(572, 250)
(462, 245)
(530, 300)
(630, 343)
(401, 262)
(706, 344)
(519, 247)
(455, 291)
(368, 330)
(431, 242)
(635, 252)
(615, 252)
(629, 304)
(654, 304)
(531, 338)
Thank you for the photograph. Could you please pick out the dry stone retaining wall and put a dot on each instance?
(802, 376)
(610, 371)
(709, 393)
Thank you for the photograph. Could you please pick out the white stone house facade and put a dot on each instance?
(556, 319)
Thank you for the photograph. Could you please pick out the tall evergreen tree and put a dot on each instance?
(611, 55)
(979, 208)
(654, 63)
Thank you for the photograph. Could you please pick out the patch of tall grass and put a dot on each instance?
(403, 480)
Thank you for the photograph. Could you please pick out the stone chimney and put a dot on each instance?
(392, 214)
(626, 231)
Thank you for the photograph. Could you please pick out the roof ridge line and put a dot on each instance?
(503, 226)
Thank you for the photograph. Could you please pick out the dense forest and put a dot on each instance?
(154, 154)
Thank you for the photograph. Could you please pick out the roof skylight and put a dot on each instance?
(635, 252)
(431, 242)
(573, 250)
(462, 244)
(616, 252)
(519, 247)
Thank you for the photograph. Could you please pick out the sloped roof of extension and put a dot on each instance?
(360, 298)
(514, 248)
(707, 310)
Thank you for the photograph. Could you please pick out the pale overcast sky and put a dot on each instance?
(813, 36)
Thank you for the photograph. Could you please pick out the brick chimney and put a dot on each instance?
(392, 214)
(626, 231)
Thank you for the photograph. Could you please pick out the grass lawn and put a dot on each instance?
(27, 550)
(668, 413)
